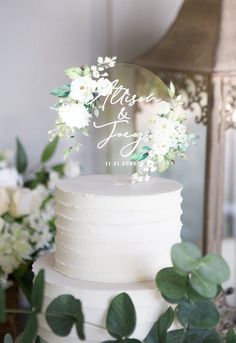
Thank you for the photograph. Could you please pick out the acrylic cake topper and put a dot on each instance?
(132, 111)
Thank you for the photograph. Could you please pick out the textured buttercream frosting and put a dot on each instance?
(95, 298)
(109, 230)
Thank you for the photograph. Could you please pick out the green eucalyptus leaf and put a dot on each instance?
(231, 336)
(214, 269)
(62, 91)
(131, 340)
(202, 314)
(86, 71)
(171, 284)
(8, 338)
(121, 316)
(38, 291)
(185, 256)
(74, 72)
(146, 147)
(62, 313)
(56, 106)
(172, 90)
(49, 150)
(158, 333)
(59, 168)
(175, 336)
(213, 338)
(174, 301)
(163, 165)
(31, 329)
(2, 305)
(194, 296)
(164, 324)
(197, 335)
(140, 156)
(205, 289)
(21, 157)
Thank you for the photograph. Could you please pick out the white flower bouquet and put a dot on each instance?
(27, 216)
(79, 100)
(166, 140)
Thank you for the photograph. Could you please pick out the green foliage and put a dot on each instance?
(182, 284)
(2, 305)
(21, 157)
(192, 283)
(171, 284)
(158, 333)
(199, 314)
(59, 168)
(62, 91)
(38, 291)
(205, 273)
(31, 329)
(231, 336)
(121, 317)
(49, 150)
(185, 256)
(8, 338)
(74, 72)
(64, 312)
(213, 269)
(163, 165)
(201, 286)
(171, 90)
(140, 156)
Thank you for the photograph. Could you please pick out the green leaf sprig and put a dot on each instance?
(121, 319)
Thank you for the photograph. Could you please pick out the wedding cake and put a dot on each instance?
(113, 236)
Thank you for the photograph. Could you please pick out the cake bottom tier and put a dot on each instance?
(95, 298)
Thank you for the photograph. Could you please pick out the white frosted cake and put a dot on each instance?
(112, 237)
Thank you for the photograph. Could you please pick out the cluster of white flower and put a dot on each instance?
(167, 138)
(27, 217)
(78, 101)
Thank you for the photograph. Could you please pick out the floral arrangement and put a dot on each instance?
(165, 140)
(79, 100)
(27, 213)
(190, 286)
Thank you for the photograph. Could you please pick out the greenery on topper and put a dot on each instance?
(191, 284)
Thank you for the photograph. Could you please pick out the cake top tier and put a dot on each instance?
(110, 185)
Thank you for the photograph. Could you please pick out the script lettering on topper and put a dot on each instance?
(121, 95)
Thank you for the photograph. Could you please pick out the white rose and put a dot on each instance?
(4, 201)
(71, 169)
(162, 145)
(104, 86)
(163, 126)
(162, 107)
(82, 89)
(74, 115)
(9, 177)
(24, 202)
